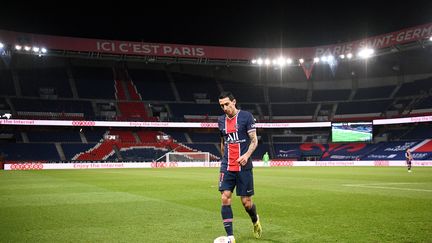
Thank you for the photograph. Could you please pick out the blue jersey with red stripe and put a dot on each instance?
(236, 139)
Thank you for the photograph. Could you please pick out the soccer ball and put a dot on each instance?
(222, 239)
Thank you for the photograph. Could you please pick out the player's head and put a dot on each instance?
(228, 103)
(408, 150)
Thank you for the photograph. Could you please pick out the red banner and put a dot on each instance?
(307, 68)
(412, 34)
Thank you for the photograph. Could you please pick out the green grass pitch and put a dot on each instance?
(340, 135)
(298, 204)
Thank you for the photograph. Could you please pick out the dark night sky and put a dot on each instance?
(257, 24)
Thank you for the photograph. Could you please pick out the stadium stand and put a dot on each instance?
(82, 89)
(7, 86)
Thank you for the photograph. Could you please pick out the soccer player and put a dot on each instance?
(238, 142)
(409, 158)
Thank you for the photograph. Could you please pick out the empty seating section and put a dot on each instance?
(72, 149)
(97, 83)
(132, 111)
(244, 92)
(262, 136)
(94, 82)
(331, 95)
(278, 94)
(94, 135)
(133, 92)
(287, 139)
(7, 87)
(39, 82)
(415, 88)
(425, 104)
(401, 103)
(29, 152)
(421, 131)
(180, 110)
(99, 152)
(260, 151)
(264, 109)
(53, 136)
(124, 136)
(152, 84)
(357, 107)
(57, 106)
(148, 136)
(252, 108)
(4, 106)
(141, 154)
(207, 137)
(396, 133)
(178, 136)
(293, 109)
(374, 93)
(119, 91)
(18, 137)
(354, 151)
(289, 151)
(394, 150)
(188, 85)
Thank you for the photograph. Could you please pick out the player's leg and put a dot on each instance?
(251, 210)
(226, 212)
(409, 165)
(245, 189)
(226, 186)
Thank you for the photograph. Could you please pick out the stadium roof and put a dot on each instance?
(258, 25)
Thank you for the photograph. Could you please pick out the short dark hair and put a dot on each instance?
(226, 94)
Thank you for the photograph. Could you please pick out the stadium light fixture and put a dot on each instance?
(267, 61)
(349, 55)
(316, 60)
(27, 48)
(44, 50)
(18, 47)
(330, 58)
(1, 45)
(260, 61)
(323, 59)
(430, 38)
(289, 61)
(365, 53)
(342, 56)
(36, 49)
(254, 61)
(281, 61)
(301, 60)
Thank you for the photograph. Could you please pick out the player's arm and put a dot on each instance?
(252, 146)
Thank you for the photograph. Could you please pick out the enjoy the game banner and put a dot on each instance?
(280, 163)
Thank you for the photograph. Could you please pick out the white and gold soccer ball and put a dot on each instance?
(224, 239)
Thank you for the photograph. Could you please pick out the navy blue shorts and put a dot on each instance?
(242, 181)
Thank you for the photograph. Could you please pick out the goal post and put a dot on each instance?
(188, 157)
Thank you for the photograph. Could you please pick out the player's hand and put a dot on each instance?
(242, 160)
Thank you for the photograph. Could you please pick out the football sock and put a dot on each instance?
(252, 213)
(227, 216)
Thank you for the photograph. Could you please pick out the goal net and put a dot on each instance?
(188, 157)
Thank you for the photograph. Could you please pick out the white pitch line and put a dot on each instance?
(385, 183)
(391, 188)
